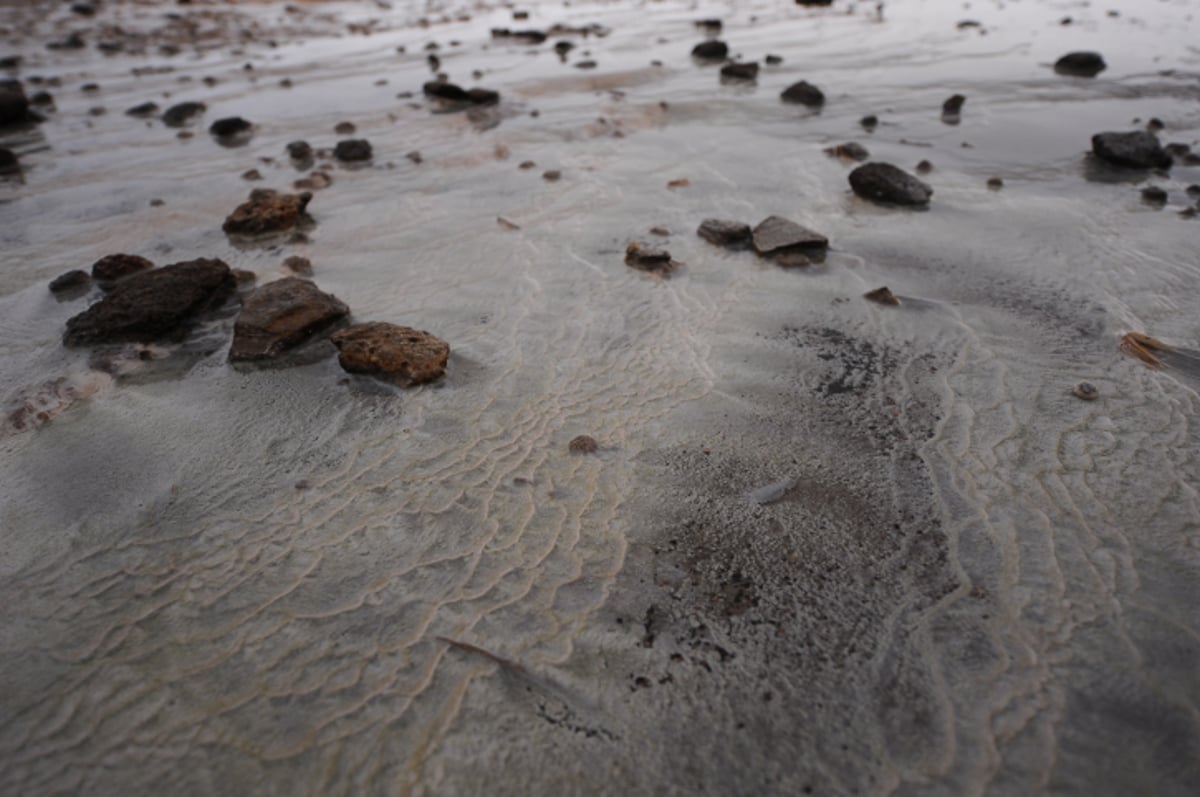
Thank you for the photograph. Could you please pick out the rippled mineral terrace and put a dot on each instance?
(825, 546)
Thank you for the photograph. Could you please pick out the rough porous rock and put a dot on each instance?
(724, 233)
(1139, 149)
(647, 258)
(397, 354)
(14, 105)
(182, 113)
(153, 305)
(74, 280)
(114, 267)
(1080, 64)
(889, 185)
(711, 51)
(776, 236)
(281, 315)
(229, 127)
(803, 93)
(882, 296)
(267, 211)
(850, 151)
(353, 150)
(746, 71)
(583, 444)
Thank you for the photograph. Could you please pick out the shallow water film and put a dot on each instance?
(686, 513)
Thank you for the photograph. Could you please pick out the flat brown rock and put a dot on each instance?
(153, 305)
(724, 233)
(777, 234)
(402, 355)
(281, 315)
(267, 211)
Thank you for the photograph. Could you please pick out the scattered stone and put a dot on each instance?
(252, 174)
(585, 64)
(42, 99)
(267, 211)
(314, 182)
(1177, 149)
(73, 281)
(300, 151)
(229, 127)
(1139, 149)
(724, 233)
(680, 182)
(14, 105)
(583, 444)
(882, 296)
(527, 165)
(506, 224)
(397, 354)
(711, 51)
(552, 175)
(8, 162)
(281, 315)
(995, 183)
(776, 236)
(712, 25)
(344, 128)
(353, 149)
(154, 304)
(183, 113)
(1080, 64)
(953, 105)
(884, 183)
(662, 232)
(1086, 391)
(299, 265)
(243, 277)
(83, 9)
(73, 42)
(146, 110)
(115, 267)
(849, 151)
(740, 71)
(1153, 195)
(1193, 191)
(414, 156)
(773, 60)
(803, 93)
(483, 97)
(869, 122)
(924, 167)
(647, 258)
(1155, 124)
(525, 36)
(563, 47)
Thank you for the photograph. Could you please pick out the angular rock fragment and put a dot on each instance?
(267, 211)
(803, 93)
(647, 258)
(397, 354)
(776, 236)
(724, 233)
(882, 296)
(183, 113)
(1139, 149)
(742, 71)
(280, 316)
(156, 304)
(886, 184)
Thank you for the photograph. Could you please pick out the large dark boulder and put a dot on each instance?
(156, 304)
(1139, 149)
(281, 315)
(889, 185)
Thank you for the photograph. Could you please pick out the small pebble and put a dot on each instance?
(995, 183)
(583, 444)
(552, 175)
(1086, 391)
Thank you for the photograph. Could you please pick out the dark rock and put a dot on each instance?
(1086, 391)
(73, 42)
(111, 268)
(711, 51)
(924, 167)
(344, 128)
(850, 151)
(563, 47)
(882, 296)
(8, 162)
(887, 184)
(90, 88)
(446, 91)
(869, 122)
(953, 105)
(1139, 150)
(42, 99)
(589, 64)
(480, 96)
(414, 156)
(724, 233)
(647, 258)
(353, 149)
(84, 9)
(72, 281)
(803, 93)
(300, 151)
(14, 105)
(743, 71)
(1155, 124)
(552, 175)
(153, 305)
(183, 113)
(583, 444)
(776, 235)
(1178, 149)
(1153, 195)
(267, 211)
(773, 60)
(525, 36)
(397, 354)
(1193, 191)
(712, 25)
(281, 315)
(299, 265)
(1080, 64)
(814, 3)
(252, 175)
(229, 127)
(995, 183)
(144, 111)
